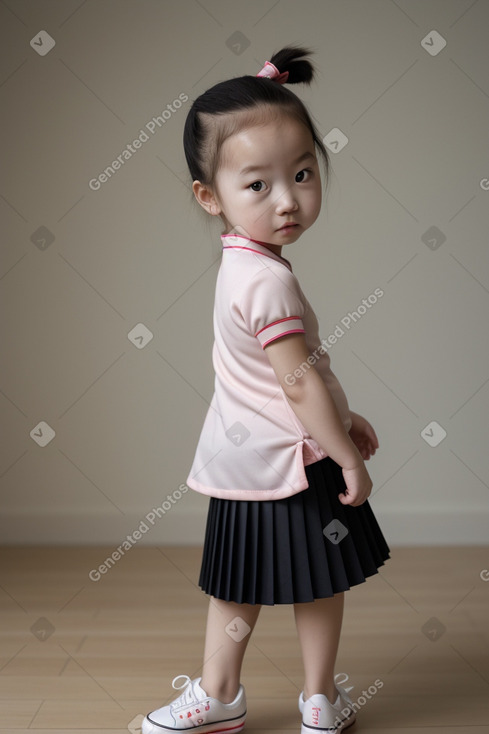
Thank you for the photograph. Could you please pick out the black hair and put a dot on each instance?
(213, 115)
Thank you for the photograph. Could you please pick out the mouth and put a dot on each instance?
(288, 227)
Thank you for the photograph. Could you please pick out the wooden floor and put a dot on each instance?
(79, 655)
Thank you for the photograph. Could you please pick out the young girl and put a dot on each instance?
(281, 455)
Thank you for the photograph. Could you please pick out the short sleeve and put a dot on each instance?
(272, 304)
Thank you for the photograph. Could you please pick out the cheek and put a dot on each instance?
(250, 204)
(314, 203)
(319, 194)
(239, 197)
(231, 201)
(319, 201)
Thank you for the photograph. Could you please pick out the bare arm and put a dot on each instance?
(311, 401)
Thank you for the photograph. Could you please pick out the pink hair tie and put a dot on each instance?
(270, 71)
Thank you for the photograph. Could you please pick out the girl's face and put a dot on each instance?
(268, 185)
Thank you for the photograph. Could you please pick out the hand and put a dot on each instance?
(358, 486)
(363, 436)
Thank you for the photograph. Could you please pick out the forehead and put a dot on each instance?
(266, 141)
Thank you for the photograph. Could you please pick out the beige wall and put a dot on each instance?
(137, 251)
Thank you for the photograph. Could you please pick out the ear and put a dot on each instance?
(206, 198)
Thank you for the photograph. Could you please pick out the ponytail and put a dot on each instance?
(292, 59)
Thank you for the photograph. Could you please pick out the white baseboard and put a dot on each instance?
(464, 527)
(401, 528)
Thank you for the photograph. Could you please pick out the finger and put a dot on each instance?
(372, 436)
(372, 447)
(375, 439)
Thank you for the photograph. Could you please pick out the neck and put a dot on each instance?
(276, 249)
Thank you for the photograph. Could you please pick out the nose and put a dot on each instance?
(286, 202)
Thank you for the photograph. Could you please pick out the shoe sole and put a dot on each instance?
(305, 729)
(219, 727)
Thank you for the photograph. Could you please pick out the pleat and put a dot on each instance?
(287, 551)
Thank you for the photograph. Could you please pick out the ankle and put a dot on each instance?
(224, 692)
(330, 692)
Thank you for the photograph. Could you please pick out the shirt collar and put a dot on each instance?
(240, 242)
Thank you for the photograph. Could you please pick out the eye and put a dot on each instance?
(303, 175)
(257, 186)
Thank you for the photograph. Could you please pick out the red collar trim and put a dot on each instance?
(259, 247)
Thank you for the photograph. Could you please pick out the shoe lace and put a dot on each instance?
(188, 695)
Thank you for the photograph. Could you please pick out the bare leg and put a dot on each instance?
(224, 649)
(319, 626)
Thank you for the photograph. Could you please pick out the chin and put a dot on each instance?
(291, 238)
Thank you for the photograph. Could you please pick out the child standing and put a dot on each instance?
(281, 455)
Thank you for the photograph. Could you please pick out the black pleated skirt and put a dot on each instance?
(305, 547)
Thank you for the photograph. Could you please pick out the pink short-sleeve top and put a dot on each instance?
(252, 445)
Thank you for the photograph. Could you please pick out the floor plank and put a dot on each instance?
(79, 655)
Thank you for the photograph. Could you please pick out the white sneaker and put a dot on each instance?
(319, 715)
(195, 710)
